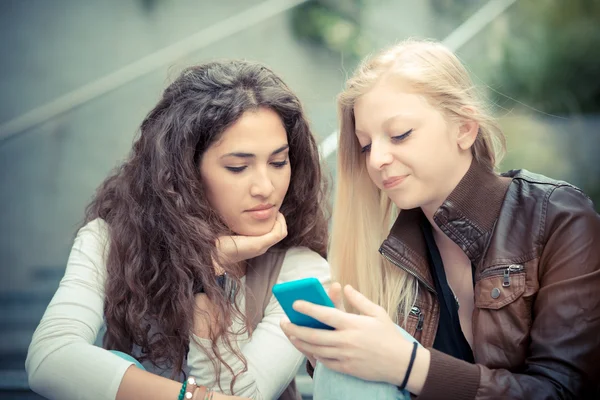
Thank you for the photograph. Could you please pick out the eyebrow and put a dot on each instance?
(385, 123)
(250, 155)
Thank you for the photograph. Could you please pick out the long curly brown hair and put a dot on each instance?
(162, 228)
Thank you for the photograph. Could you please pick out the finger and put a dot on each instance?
(280, 227)
(362, 304)
(309, 356)
(283, 323)
(327, 315)
(330, 352)
(275, 235)
(319, 337)
(257, 245)
(237, 248)
(335, 294)
(283, 223)
(294, 340)
(247, 246)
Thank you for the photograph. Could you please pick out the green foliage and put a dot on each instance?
(550, 56)
(334, 25)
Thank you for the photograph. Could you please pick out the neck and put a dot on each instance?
(430, 209)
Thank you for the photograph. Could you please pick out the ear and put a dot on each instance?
(467, 132)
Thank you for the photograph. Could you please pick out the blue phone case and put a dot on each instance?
(308, 289)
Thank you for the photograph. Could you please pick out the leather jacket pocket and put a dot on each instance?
(500, 286)
(502, 317)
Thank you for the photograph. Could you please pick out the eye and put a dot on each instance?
(236, 170)
(402, 137)
(279, 164)
(366, 148)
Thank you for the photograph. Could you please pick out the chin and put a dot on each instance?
(406, 206)
(257, 228)
(405, 203)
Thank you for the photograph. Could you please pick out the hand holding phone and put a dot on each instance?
(307, 289)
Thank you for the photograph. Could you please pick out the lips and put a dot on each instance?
(393, 181)
(262, 212)
(261, 207)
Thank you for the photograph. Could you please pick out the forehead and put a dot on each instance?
(387, 99)
(257, 132)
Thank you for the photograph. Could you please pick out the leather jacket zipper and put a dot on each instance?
(390, 259)
(505, 271)
(416, 311)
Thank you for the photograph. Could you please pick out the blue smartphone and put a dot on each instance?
(308, 289)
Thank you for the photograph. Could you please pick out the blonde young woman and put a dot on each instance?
(496, 275)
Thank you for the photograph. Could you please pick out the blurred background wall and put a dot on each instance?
(77, 78)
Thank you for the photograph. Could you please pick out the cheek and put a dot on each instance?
(430, 160)
(443, 163)
(219, 188)
(224, 195)
(282, 182)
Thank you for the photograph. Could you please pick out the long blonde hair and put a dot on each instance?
(362, 214)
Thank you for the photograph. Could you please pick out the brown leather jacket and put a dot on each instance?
(535, 246)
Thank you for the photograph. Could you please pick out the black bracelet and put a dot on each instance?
(410, 365)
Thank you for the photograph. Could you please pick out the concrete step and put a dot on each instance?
(20, 394)
(13, 360)
(21, 316)
(15, 341)
(13, 385)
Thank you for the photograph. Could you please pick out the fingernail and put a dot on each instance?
(293, 338)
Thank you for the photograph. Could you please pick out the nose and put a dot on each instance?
(380, 155)
(262, 184)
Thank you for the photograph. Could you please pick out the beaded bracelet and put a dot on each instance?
(189, 388)
(182, 391)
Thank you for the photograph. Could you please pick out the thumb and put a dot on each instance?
(277, 233)
(362, 304)
(335, 294)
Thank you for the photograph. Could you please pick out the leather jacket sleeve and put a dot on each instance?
(564, 349)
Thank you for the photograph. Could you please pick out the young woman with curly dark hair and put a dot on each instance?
(222, 188)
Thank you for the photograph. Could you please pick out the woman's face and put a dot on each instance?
(247, 172)
(412, 152)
